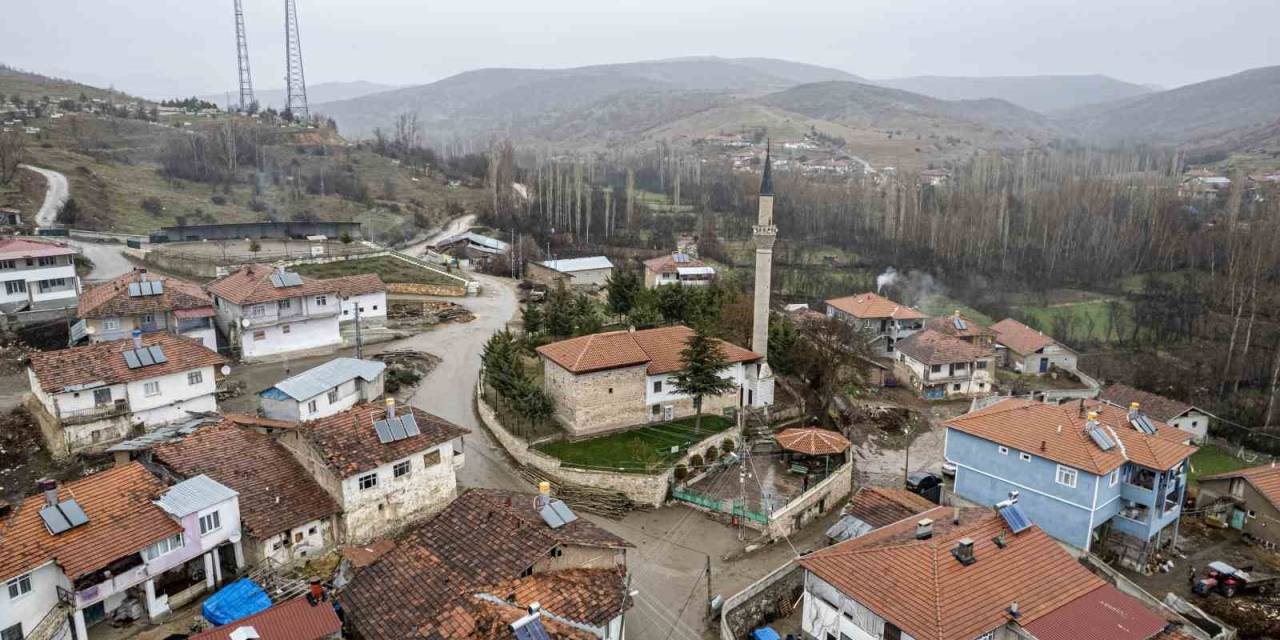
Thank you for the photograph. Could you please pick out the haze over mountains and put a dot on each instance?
(1045, 94)
(316, 93)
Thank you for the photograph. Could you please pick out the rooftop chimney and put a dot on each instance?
(137, 338)
(964, 552)
(1043, 445)
(49, 488)
(955, 515)
(391, 407)
(924, 529)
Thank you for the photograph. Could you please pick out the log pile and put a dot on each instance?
(428, 312)
(602, 502)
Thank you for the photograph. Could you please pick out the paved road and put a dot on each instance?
(107, 257)
(55, 194)
(451, 228)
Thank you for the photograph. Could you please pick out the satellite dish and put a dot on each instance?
(226, 370)
(244, 322)
(91, 330)
(234, 538)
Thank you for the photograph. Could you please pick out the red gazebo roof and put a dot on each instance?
(812, 441)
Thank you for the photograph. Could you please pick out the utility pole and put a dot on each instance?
(242, 60)
(709, 596)
(359, 341)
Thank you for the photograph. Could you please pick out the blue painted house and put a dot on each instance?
(1086, 473)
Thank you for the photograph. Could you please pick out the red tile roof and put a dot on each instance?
(252, 284)
(426, 586)
(276, 492)
(112, 299)
(1019, 337)
(1156, 406)
(812, 441)
(122, 520)
(660, 348)
(1057, 432)
(1102, 614)
(12, 248)
(883, 506)
(921, 588)
(668, 264)
(350, 445)
(103, 362)
(581, 595)
(947, 325)
(295, 619)
(933, 347)
(870, 305)
(1266, 479)
(358, 285)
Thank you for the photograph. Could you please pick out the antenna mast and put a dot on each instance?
(242, 60)
(295, 81)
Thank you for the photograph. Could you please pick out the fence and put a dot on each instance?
(735, 508)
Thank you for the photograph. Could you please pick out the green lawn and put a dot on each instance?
(388, 268)
(1212, 459)
(645, 450)
(1088, 321)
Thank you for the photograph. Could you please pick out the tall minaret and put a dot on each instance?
(765, 235)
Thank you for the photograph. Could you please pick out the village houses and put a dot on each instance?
(37, 275)
(478, 566)
(886, 321)
(574, 273)
(618, 379)
(940, 366)
(147, 302)
(324, 390)
(1174, 413)
(73, 554)
(1089, 473)
(1027, 351)
(383, 466)
(1247, 500)
(678, 268)
(363, 295)
(85, 398)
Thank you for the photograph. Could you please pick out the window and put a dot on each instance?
(937, 368)
(657, 386)
(990, 635)
(1066, 476)
(892, 632)
(12, 633)
(111, 324)
(48, 261)
(1004, 451)
(955, 387)
(375, 307)
(311, 531)
(1025, 457)
(53, 283)
(322, 301)
(172, 543)
(20, 586)
(284, 328)
(610, 390)
(15, 286)
(257, 311)
(655, 410)
(195, 377)
(982, 386)
(312, 406)
(981, 364)
(8, 264)
(285, 304)
(431, 459)
(368, 481)
(400, 469)
(1115, 477)
(210, 522)
(260, 335)
(151, 388)
(148, 318)
(333, 396)
(102, 396)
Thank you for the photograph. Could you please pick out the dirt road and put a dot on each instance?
(55, 194)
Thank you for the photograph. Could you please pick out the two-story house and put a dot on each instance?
(363, 295)
(324, 390)
(147, 302)
(940, 366)
(677, 268)
(1028, 351)
(73, 554)
(617, 379)
(968, 574)
(85, 398)
(473, 569)
(1174, 413)
(269, 312)
(286, 516)
(37, 275)
(1085, 471)
(383, 467)
(886, 321)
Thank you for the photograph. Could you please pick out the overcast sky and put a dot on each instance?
(179, 47)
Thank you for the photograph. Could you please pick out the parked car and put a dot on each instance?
(948, 468)
(925, 484)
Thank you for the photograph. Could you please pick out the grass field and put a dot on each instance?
(1212, 459)
(646, 450)
(1087, 321)
(388, 268)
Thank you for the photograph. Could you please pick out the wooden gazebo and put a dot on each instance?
(804, 445)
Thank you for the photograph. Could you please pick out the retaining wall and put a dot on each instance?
(767, 599)
(838, 485)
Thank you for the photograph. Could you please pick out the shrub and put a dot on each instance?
(712, 454)
(695, 461)
(152, 205)
(257, 206)
(218, 199)
(728, 445)
(681, 472)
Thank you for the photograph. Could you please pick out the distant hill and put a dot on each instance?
(1229, 107)
(33, 86)
(316, 93)
(1044, 94)
(486, 100)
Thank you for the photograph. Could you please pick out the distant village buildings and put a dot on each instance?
(581, 273)
(886, 321)
(677, 269)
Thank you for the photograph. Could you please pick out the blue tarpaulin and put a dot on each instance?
(238, 600)
(765, 633)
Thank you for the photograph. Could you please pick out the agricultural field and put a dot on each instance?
(1079, 316)
(1212, 459)
(645, 450)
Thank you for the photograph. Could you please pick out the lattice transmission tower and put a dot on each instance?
(295, 81)
(242, 60)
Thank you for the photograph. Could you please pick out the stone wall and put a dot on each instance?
(594, 403)
(812, 504)
(768, 599)
(411, 289)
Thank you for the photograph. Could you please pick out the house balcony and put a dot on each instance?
(93, 414)
(116, 577)
(1138, 493)
(271, 320)
(194, 324)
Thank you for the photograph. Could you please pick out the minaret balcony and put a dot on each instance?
(764, 230)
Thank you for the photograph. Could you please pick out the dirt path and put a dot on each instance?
(55, 194)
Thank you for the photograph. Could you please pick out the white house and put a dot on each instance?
(1174, 413)
(384, 468)
(365, 293)
(37, 275)
(322, 391)
(267, 312)
(887, 321)
(1028, 351)
(677, 268)
(573, 272)
(940, 366)
(73, 555)
(87, 397)
(147, 302)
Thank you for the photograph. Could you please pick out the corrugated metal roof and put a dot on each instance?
(193, 494)
(315, 381)
(578, 264)
(485, 241)
(165, 433)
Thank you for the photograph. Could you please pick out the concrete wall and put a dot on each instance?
(1264, 523)
(812, 504)
(29, 608)
(298, 544)
(764, 600)
(373, 308)
(241, 230)
(1193, 422)
(593, 403)
(316, 335)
